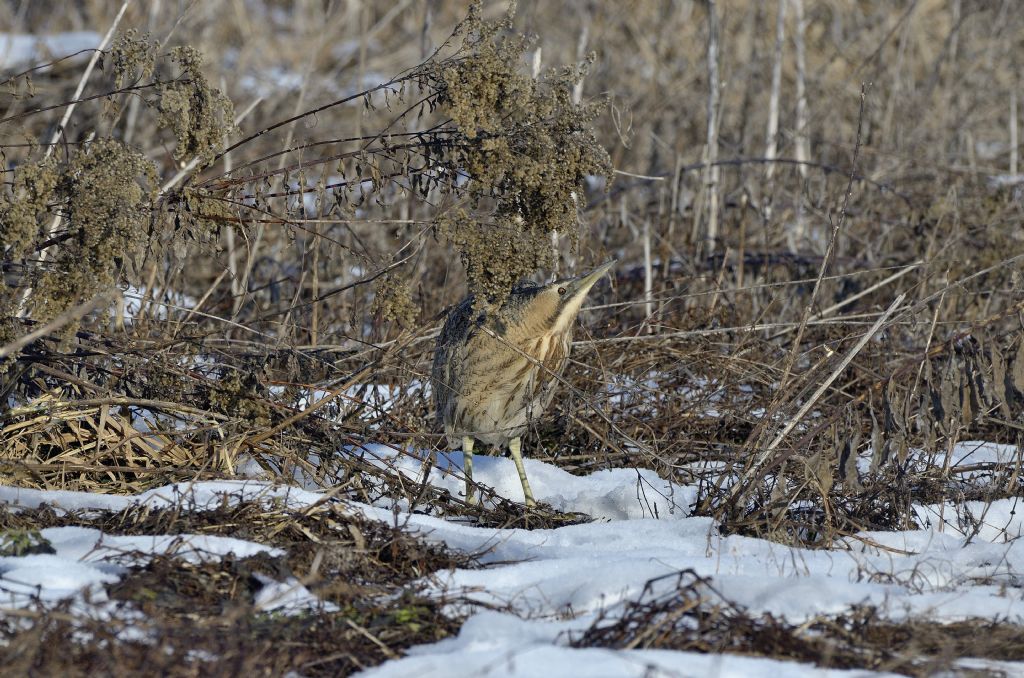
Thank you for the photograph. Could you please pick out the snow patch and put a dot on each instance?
(20, 50)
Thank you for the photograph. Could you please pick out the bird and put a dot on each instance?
(495, 372)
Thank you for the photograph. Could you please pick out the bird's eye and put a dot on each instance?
(561, 291)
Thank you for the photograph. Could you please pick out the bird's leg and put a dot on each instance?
(467, 466)
(515, 446)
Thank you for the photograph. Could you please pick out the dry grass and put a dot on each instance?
(313, 252)
(178, 618)
(692, 616)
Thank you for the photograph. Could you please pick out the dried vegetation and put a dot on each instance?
(180, 618)
(693, 616)
(193, 287)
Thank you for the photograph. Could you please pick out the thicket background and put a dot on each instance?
(229, 242)
(771, 186)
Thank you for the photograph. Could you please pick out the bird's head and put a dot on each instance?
(551, 308)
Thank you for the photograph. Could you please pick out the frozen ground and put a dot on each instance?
(968, 563)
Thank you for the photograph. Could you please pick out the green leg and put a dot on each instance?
(467, 465)
(515, 446)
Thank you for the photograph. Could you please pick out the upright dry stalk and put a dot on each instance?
(648, 275)
(802, 147)
(954, 39)
(581, 52)
(673, 215)
(896, 90)
(787, 369)
(1014, 153)
(555, 265)
(426, 45)
(711, 169)
(803, 152)
(229, 233)
(772, 135)
(577, 98)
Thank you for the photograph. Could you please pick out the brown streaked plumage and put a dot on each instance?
(492, 374)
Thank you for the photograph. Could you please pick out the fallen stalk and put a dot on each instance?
(760, 463)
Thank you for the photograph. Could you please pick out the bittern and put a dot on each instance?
(494, 373)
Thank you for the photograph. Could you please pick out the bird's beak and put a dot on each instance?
(581, 285)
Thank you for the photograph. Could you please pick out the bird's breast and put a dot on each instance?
(549, 350)
(507, 382)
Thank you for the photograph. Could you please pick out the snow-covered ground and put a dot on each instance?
(553, 583)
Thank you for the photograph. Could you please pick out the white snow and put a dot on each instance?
(193, 496)
(132, 299)
(85, 559)
(966, 561)
(20, 50)
(289, 595)
(497, 644)
(614, 494)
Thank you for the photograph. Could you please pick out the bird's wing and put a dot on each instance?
(449, 358)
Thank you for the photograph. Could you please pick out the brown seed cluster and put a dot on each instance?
(526, 148)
